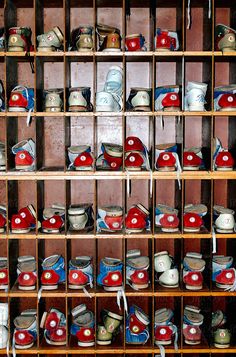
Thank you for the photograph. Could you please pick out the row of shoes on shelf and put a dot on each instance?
(137, 327)
(136, 157)
(110, 98)
(111, 219)
(109, 39)
(110, 276)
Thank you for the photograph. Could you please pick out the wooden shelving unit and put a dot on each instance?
(52, 182)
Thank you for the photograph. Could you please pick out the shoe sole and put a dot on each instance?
(191, 230)
(86, 344)
(169, 230)
(103, 343)
(50, 231)
(49, 287)
(194, 288)
(15, 49)
(221, 346)
(164, 343)
(192, 342)
(191, 168)
(53, 109)
(3, 287)
(24, 347)
(76, 287)
(143, 286)
(111, 288)
(75, 108)
(224, 230)
(20, 230)
(26, 288)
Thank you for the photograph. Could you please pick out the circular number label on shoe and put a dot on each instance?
(225, 158)
(59, 332)
(131, 142)
(2, 275)
(192, 331)
(15, 97)
(53, 323)
(74, 275)
(166, 157)
(115, 225)
(194, 277)
(222, 334)
(22, 156)
(135, 329)
(17, 220)
(134, 220)
(13, 39)
(26, 277)
(21, 336)
(162, 331)
(115, 277)
(87, 332)
(82, 158)
(192, 219)
(231, 38)
(132, 159)
(47, 275)
(173, 97)
(170, 219)
(140, 275)
(230, 99)
(228, 275)
(189, 157)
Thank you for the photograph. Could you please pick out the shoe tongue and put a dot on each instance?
(217, 318)
(49, 212)
(84, 318)
(198, 208)
(222, 260)
(141, 316)
(113, 149)
(163, 315)
(165, 146)
(192, 313)
(221, 209)
(138, 262)
(3, 262)
(195, 264)
(111, 261)
(81, 262)
(27, 267)
(78, 149)
(160, 208)
(79, 309)
(24, 322)
(113, 211)
(50, 260)
(26, 258)
(194, 149)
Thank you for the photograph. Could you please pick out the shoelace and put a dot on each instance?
(189, 12)
(179, 169)
(214, 243)
(91, 286)
(13, 345)
(119, 296)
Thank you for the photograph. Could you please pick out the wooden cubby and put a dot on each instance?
(52, 181)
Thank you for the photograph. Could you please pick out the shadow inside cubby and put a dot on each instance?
(50, 77)
(199, 36)
(174, 304)
(204, 305)
(15, 14)
(199, 192)
(202, 246)
(45, 19)
(51, 195)
(173, 247)
(22, 248)
(225, 131)
(72, 303)
(109, 249)
(224, 247)
(139, 77)
(142, 128)
(81, 194)
(110, 196)
(19, 132)
(17, 306)
(3, 203)
(50, 248)
(79, 248)
(78, 13)
(79, 132)
(199, 69)
(46, 304)
(145, 247)
(140, 21)
(79, 74)
(109, 13)
(197, 136)
(22, 195)
(50, 144)
(167, 192)
(108, 130)
(146, 305)
(104, 304)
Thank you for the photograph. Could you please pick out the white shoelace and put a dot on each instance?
(214, 243)
(119, 296)
(28, 120)
(189, 12)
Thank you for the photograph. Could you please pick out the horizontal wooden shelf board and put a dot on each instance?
(101, 294)
(119, 54)
(47, 174)
(120, 114)
(114, 350)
